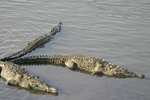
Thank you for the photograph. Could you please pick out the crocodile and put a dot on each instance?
(19, 76)
(94, 65)
(40, 41)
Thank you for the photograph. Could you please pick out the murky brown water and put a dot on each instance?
(117, 31)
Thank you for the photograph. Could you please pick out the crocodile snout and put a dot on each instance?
(141, 76)
(53, 90)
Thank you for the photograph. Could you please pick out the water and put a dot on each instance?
(117, 31)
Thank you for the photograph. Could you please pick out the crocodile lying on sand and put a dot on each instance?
(91, 64)
(40, 41)
(17, 75)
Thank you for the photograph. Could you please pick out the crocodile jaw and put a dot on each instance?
(38, 84)
(120, 72)
(45, 88)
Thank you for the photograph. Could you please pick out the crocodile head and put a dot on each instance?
(42, 86)
(56, 29)
(121, 72)
(127, 74)
(59, 23)
(46, 88)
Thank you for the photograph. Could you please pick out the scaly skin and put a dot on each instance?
(90, 64)
(40, 41)
(17, 75)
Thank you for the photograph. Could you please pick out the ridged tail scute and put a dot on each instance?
(40, 41)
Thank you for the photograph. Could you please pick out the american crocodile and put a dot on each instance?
(40, 41)
(17, 75)
(91, 64)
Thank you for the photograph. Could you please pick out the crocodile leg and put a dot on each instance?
(11, 82)
(71, 64)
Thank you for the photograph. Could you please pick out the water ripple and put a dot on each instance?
(117, 31)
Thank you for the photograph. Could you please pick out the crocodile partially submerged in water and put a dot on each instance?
(40, 41)
(91, 64)
(17, 75)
